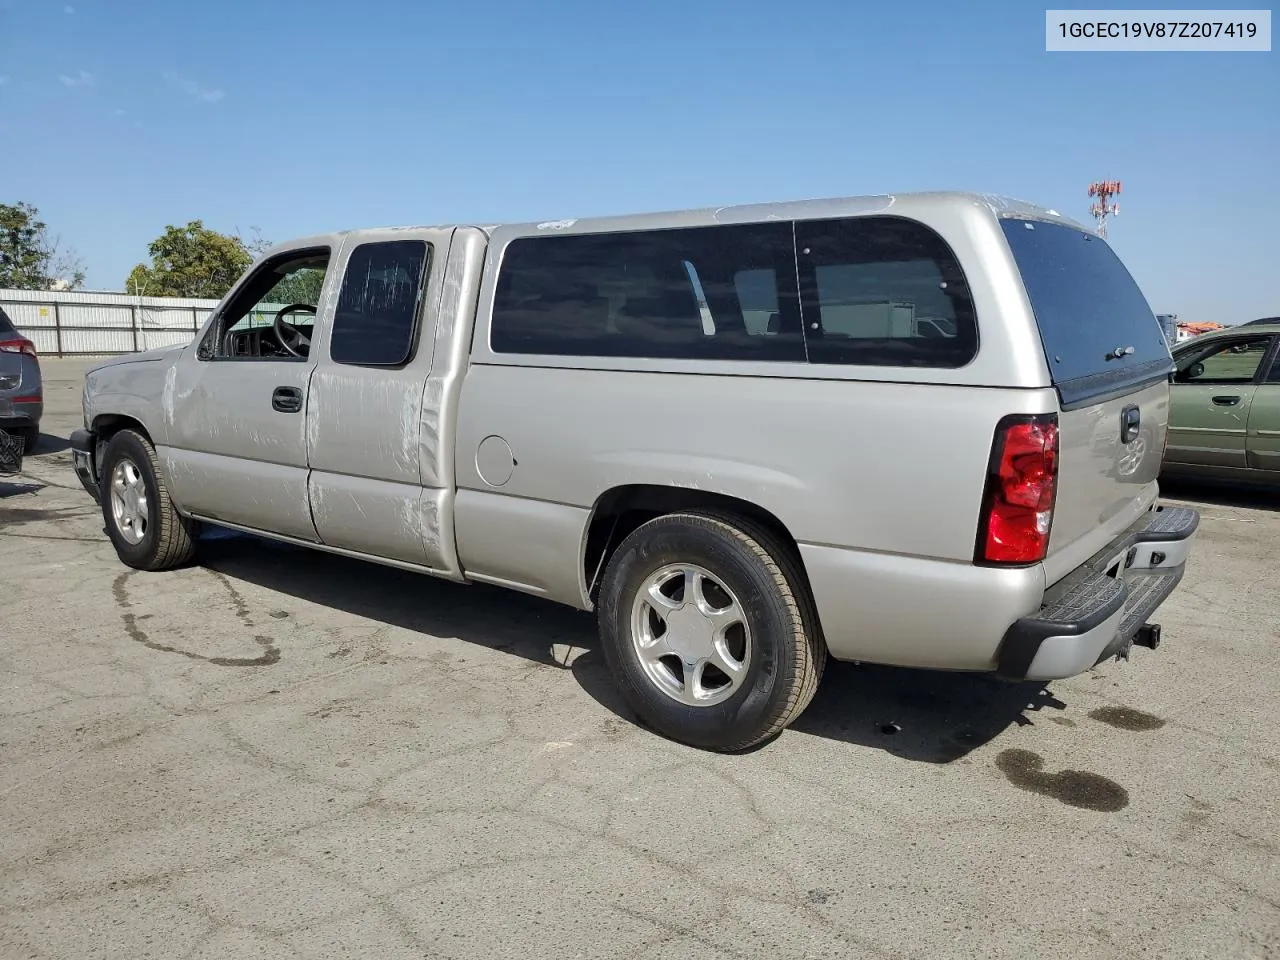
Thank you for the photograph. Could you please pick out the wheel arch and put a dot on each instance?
(107, 425)
(620, 510)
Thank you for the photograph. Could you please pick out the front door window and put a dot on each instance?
(273, 316)
(1234, 362)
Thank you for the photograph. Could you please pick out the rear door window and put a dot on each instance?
(380, 304)
(1098, 332)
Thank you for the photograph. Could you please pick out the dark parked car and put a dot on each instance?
(10, 453)
(21, 389)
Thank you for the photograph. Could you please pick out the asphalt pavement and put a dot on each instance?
(279, 753)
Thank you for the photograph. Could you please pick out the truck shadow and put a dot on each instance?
(20, 488)
(916, 715)
(922, 715)
(503, 620)
(50, 443)
(1219, 493)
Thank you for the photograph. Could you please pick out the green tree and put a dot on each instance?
(301, 286)
(29, 257)
(190, 261)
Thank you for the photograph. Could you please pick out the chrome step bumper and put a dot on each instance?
(1095, 612)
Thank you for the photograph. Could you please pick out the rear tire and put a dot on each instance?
(146, 529)
(30, 439)
(727, 652)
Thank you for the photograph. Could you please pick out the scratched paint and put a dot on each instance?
(429, 524)
(429, 449)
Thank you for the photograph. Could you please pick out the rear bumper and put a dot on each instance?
(1094, 613)
(83, 455)
(20, 414)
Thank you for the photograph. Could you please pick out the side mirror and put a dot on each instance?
(11, 446)
(1190, 373)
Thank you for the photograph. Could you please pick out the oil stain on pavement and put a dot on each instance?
(1076, 788)
(132, 625)
(1126, 718)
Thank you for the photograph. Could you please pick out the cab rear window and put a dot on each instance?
(1098, 331)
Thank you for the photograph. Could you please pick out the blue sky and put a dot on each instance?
(296, 116)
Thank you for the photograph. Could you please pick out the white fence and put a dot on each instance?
(71, 323)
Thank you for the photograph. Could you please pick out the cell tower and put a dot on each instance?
(1102, 207)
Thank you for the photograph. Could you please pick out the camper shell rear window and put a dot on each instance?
(1099, 334)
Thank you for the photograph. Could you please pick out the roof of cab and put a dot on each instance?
(904, 203)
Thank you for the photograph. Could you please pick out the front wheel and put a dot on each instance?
(708, 629)
(148, 533)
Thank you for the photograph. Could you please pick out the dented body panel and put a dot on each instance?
(478, 465)
(364, 433)
(228, 455)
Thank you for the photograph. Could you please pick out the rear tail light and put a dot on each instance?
(1022, 482)
(19, 345)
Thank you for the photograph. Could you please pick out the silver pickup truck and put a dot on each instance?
(920, 430)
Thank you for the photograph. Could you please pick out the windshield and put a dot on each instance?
(1098, 331)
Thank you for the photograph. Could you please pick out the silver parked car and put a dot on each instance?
(920, 430)
(21, 387)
